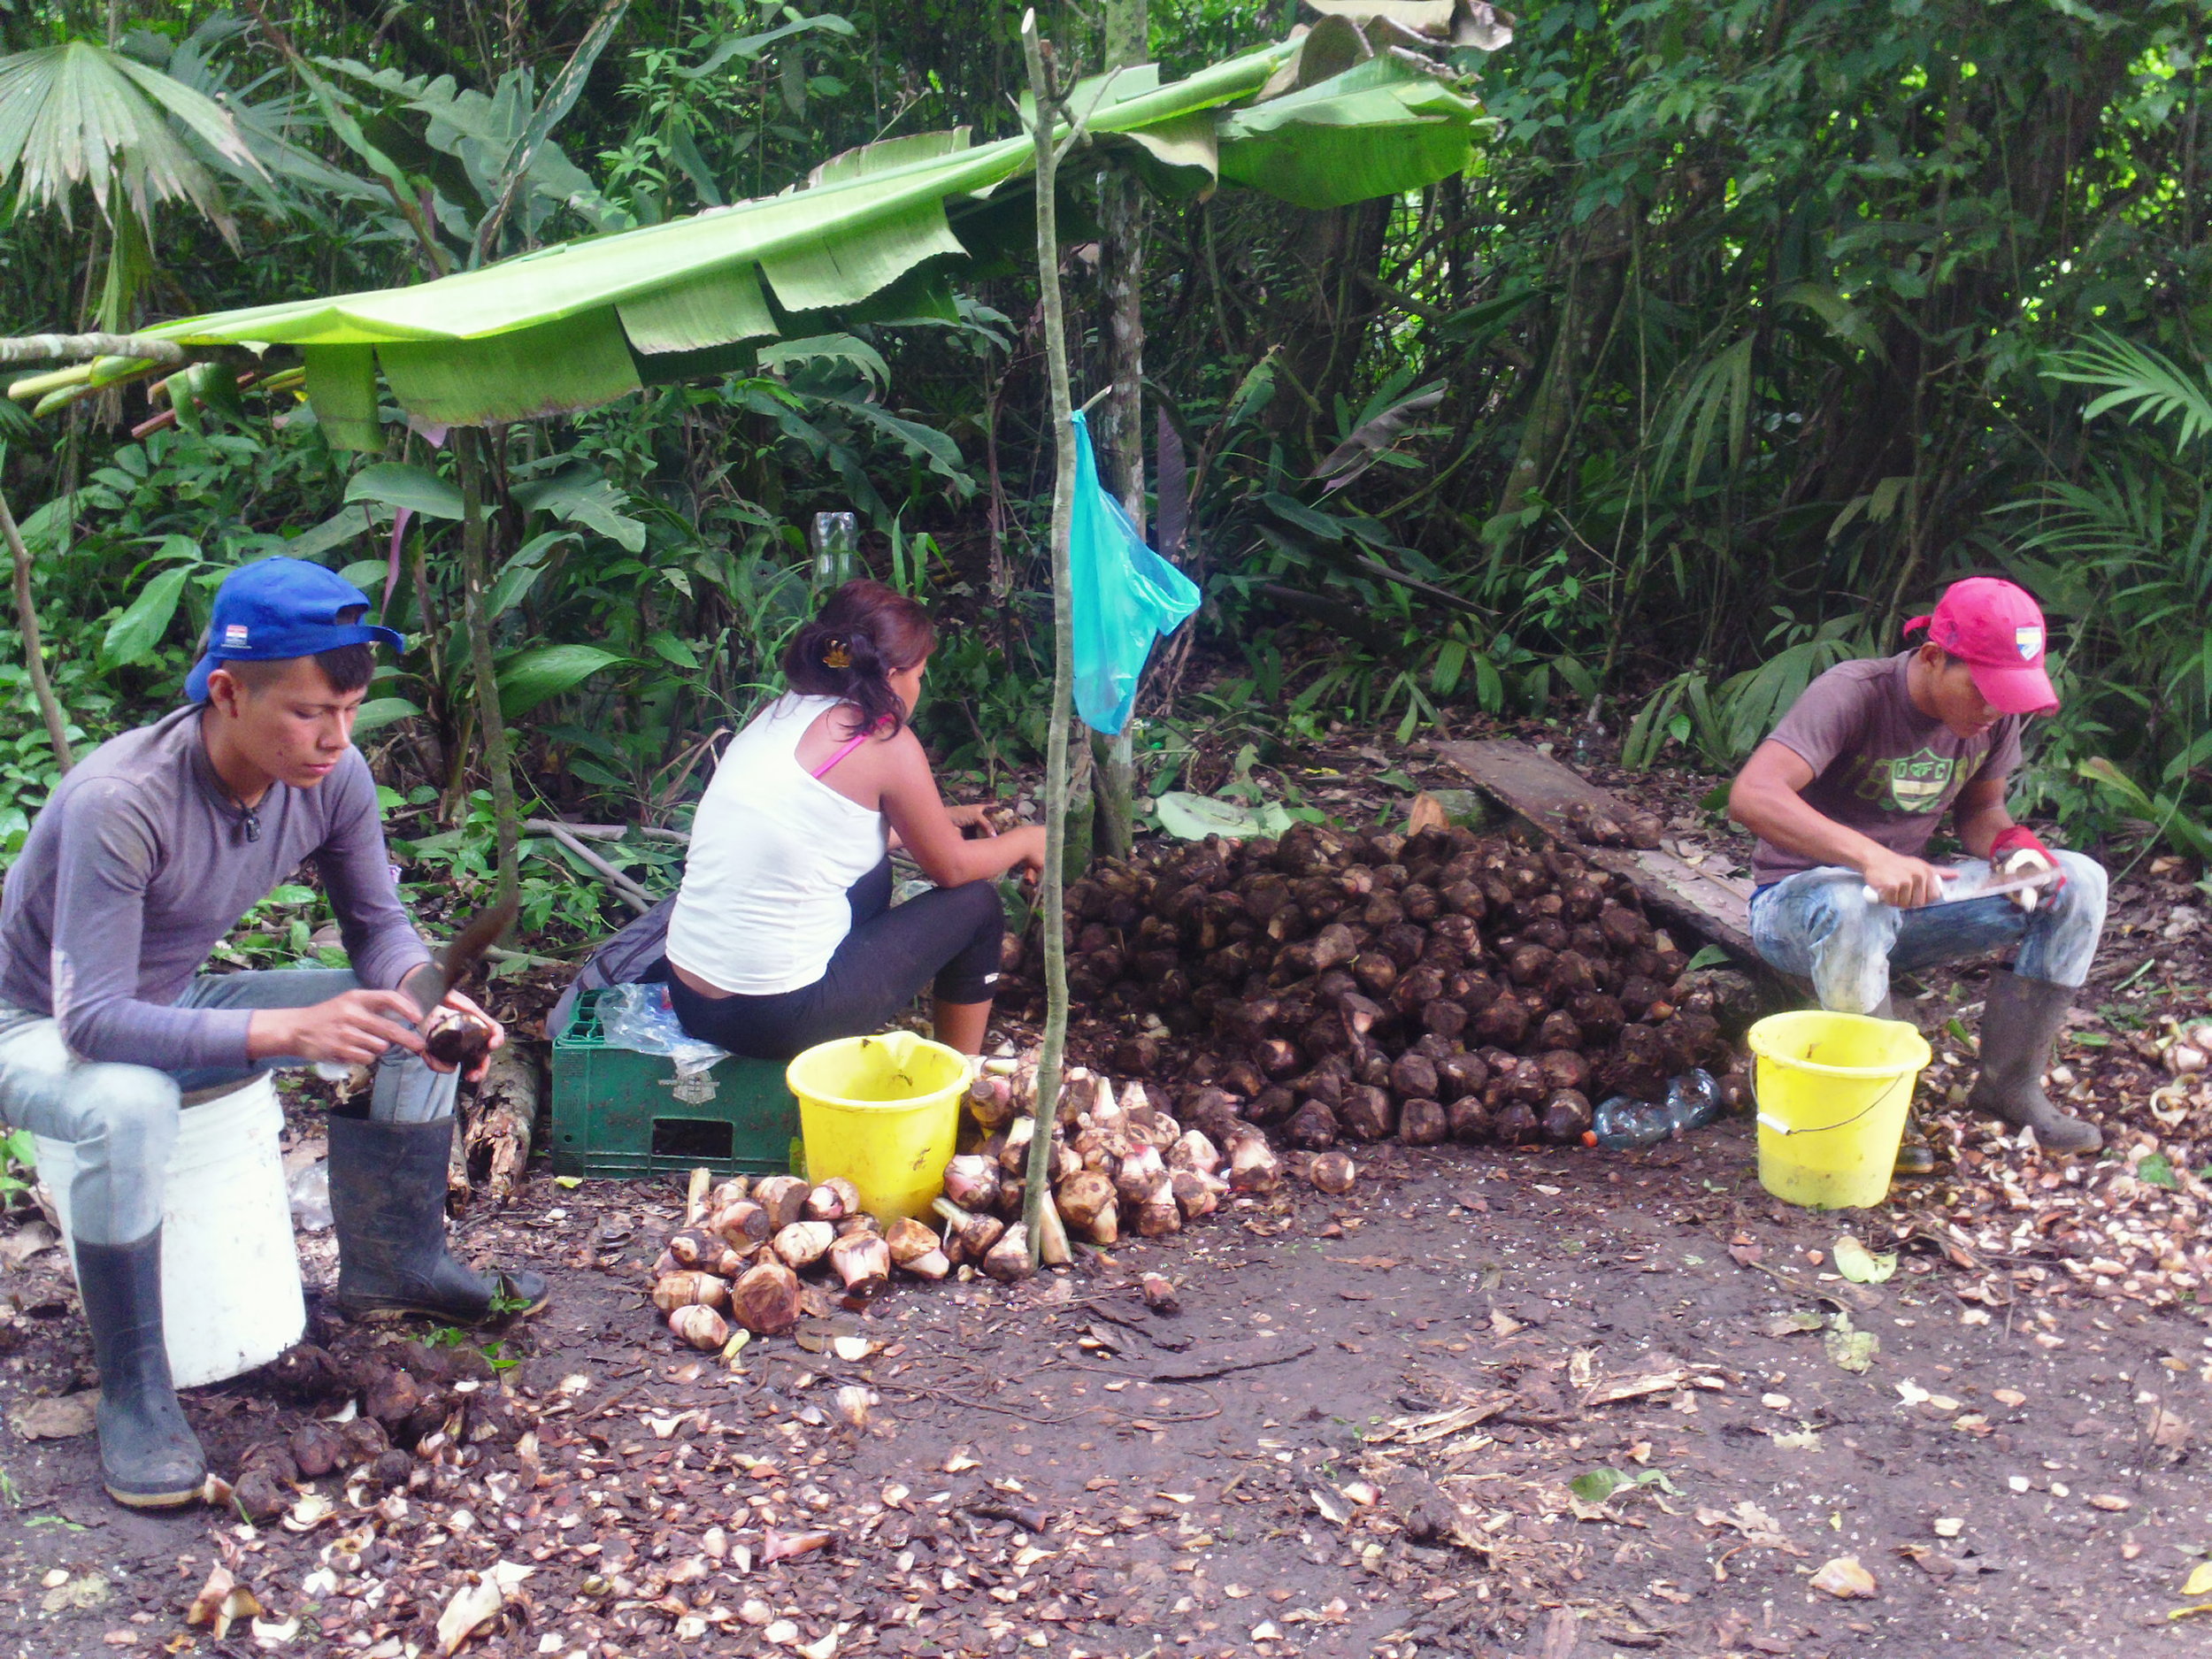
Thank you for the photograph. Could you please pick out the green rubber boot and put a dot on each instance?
(150, 1458)
(2020, 1026)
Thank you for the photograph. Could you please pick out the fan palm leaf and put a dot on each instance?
(80, 114)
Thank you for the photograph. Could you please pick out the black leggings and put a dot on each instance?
(952, 933)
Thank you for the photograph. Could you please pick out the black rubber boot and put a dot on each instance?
(150, 1458)
(388, 1207)
(2020, 1025)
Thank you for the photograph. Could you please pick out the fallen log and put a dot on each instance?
(505, 1124)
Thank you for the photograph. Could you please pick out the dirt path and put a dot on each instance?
(1385, 1400)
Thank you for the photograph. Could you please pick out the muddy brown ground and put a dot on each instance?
(1383, 1401)
(1022, 1487)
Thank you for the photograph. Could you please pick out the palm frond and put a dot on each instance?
(79, 114)
(1717, 389)
(2140, 378)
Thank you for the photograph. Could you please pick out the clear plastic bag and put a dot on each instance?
(1126, 596)
(638, 1017)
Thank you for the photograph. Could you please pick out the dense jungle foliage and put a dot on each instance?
(1753, 321)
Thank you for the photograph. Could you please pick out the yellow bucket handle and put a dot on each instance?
(1767, 1121)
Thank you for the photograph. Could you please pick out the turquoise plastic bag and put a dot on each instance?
(1126, 596)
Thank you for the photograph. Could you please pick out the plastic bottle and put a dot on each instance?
(1693, 1100)
(1621, 1124)
(1588, 735)
(835, 539)
(309, 1190)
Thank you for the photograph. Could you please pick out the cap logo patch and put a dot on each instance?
(235, 634)
(2031, 643)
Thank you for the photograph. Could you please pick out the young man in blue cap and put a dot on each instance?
(1844, 797)
(144, 857)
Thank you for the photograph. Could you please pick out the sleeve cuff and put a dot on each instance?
(227, 1038)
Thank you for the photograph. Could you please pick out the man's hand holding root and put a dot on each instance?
(2017, 852)
(358, 1027)
(457, 1034)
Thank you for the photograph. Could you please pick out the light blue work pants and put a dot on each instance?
(1820, 926)
(122, 1119)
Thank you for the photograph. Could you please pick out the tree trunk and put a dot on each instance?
(1336, 248)
(34, 650)
(1121, 269)
(1052, 920)
(1596, 261)
(1082, 804)
(469, 455)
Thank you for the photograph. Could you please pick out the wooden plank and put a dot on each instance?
(1535, 786)
(1720, 907)
(1542, 791)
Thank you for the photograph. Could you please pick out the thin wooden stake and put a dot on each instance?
(1052, 918)
(34, 649)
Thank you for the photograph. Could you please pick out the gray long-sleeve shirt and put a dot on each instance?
(139, 865)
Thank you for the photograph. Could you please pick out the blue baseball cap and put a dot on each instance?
(277, 609)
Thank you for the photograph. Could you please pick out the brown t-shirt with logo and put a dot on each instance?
(1879, 765)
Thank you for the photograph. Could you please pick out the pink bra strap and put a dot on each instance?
(855, 743)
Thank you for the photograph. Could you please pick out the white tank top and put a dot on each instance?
(773, 849)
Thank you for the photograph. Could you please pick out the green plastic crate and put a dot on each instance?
(617, 1112)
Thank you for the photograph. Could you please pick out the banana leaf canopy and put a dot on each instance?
(1321, 121)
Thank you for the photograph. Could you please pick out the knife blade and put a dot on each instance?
(1995, 890)
(466, 948)
(450, 1037)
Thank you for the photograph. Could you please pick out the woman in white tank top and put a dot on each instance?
(782, 935)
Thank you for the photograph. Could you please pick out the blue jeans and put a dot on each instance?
(122, 1118)
(1820, 926)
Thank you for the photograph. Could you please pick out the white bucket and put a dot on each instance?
(230, 1272)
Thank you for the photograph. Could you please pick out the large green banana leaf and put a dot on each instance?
(578, 324)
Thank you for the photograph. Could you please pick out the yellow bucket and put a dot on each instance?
(881, 1112)
(1832, 1090)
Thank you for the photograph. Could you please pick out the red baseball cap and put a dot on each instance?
(1997, 630)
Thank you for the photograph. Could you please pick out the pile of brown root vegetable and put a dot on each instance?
(737, 1259)
(1119, 1164)
(1323, 988)
(1339, 987)
(401, 1408)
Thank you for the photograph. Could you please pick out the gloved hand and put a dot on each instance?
(2018, 851)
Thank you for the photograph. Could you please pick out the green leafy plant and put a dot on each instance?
(19, 1164)
(1598, 1485)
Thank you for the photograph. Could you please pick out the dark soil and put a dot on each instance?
(1357, 1437)
(1199, 1512)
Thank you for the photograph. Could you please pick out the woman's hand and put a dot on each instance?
(954, 845)
(970, 818)
(1031, 838)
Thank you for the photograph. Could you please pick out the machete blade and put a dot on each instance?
(478, 935)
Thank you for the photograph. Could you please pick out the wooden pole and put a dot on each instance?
(79, 348)
(1052, 918)
(33, 649)
(469, 459)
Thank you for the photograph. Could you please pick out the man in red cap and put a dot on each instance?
(1843, 797)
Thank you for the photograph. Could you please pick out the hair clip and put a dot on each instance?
(835, 656)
